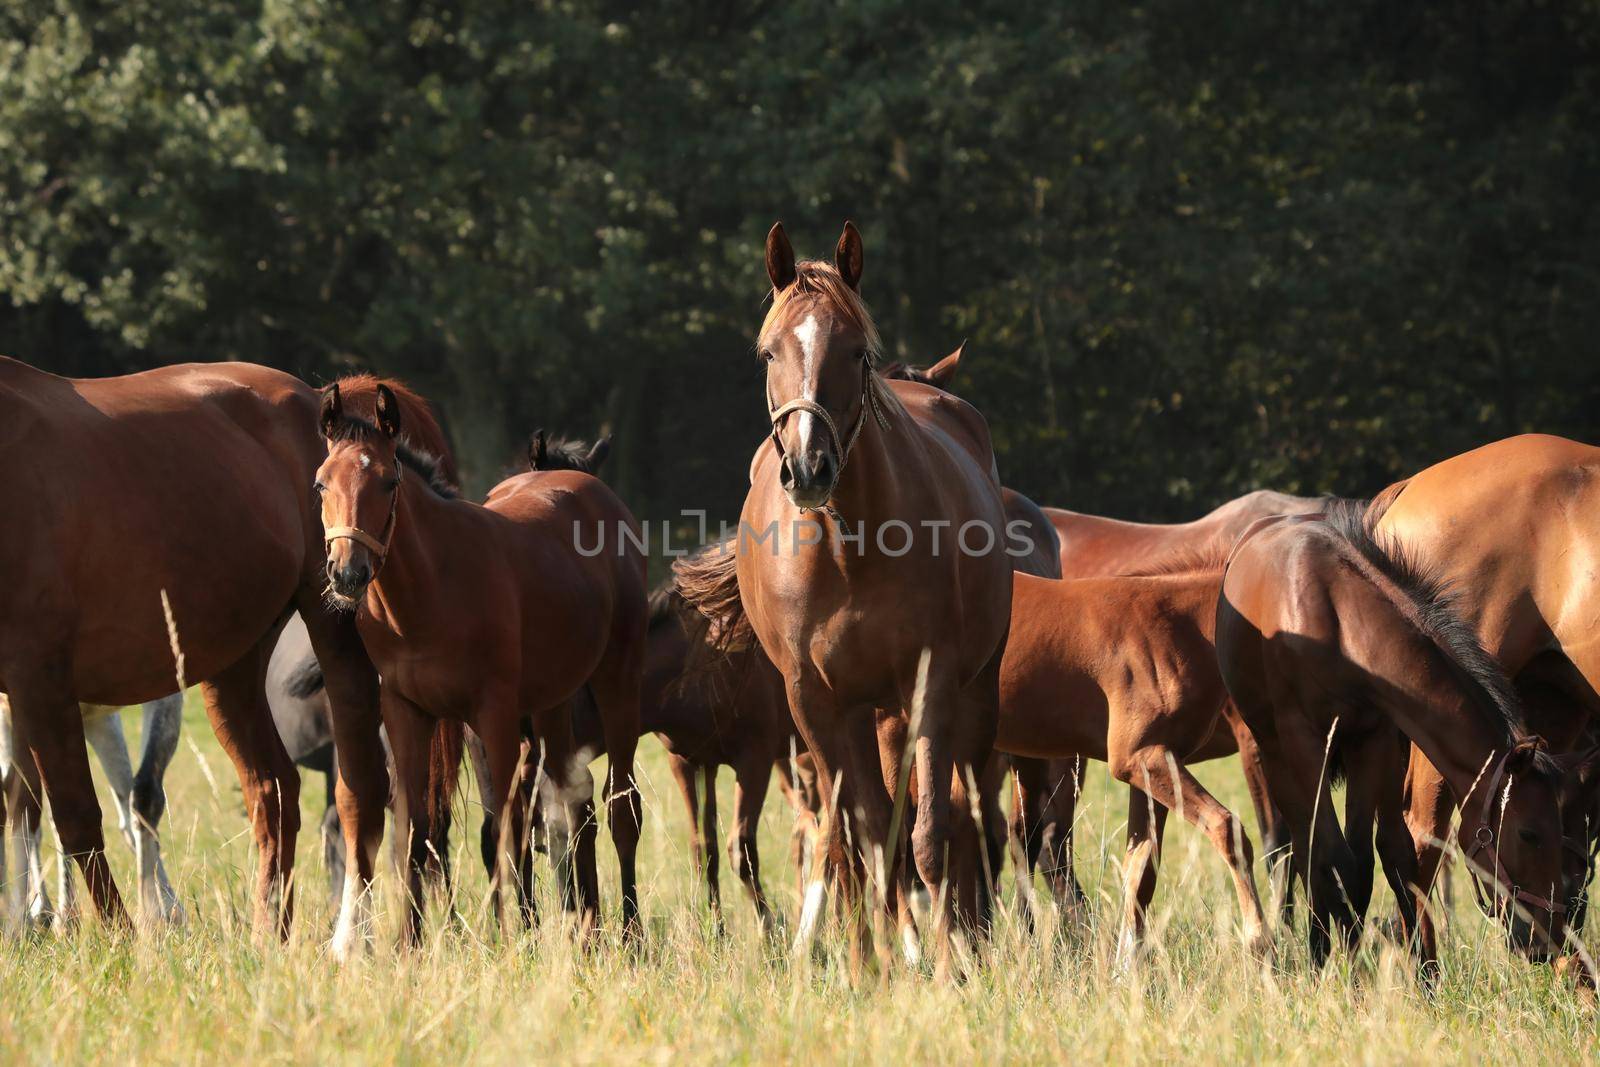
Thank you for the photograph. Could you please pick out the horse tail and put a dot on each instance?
(305, 680)
(445, 750)
(708, 581)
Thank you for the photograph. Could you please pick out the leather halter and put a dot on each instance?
(1484, 840)
(378, 547)
(869, 402)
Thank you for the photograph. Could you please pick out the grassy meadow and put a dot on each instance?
(207, 993)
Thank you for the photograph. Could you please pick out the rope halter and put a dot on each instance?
(379, 547)
(870, 402)
(1484, 841)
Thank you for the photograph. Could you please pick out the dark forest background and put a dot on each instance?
(1195, 247)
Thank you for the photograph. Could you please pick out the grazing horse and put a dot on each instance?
(490, 615)
(841, 575)
(1507, 526)
(140, 798)
(1332, 644)
(167, 515)
(1123, 670)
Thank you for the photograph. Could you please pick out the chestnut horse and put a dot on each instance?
(1332, 643)
(1504, 524)
(1123, 670)
(490, 615)
(168, 512)
(855, 591)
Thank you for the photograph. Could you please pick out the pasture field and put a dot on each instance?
(207, 993)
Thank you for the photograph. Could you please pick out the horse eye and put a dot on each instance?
(319, 488)
(766, 355)
(1530, 837)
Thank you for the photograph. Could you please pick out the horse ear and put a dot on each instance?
(1524, 754)
(536, 451)
(780, 258)
(332, 410)
(598, 454)
(943, 373)
(847, 257)
(388, 411)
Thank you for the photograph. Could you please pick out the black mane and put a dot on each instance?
(1433, 601)
(424, 465)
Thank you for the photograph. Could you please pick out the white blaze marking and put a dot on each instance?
(806, 334)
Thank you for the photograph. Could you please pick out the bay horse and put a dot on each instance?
(1333, 644)
(1504, 525)
(140, 800)
(489, 615)
(852, 461)
(1123, 670)
(167, 513)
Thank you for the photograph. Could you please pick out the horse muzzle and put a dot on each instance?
(348, 580)
(808, 478)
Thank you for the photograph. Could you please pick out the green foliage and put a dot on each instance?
(1196, 247)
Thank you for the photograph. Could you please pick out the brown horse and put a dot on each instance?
(1331, 644)
(844, 602)
(1123, 670)
(491, 615)
(167, 512)
(1503, 524)
(712, 712)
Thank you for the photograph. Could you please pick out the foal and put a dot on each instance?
(491, 616)
(1332, 644)
(1123, 670)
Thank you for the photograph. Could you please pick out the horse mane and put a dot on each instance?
(567, 454)
(424, 465)
(708, 581)
(902, 371)
(1432, 600)
(419, 429)
(822, 281)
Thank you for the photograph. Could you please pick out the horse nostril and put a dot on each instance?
(824, 470)
(786, 473)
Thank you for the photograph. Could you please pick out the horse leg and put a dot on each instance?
(48, 722)
(333, 853)
(710, 833)
(28, 902)
(615, 686)
(236, 702)
(751, 778)
(158, 742)
(1149, 765)
(361, 787)
(1366, 764)
(102, 728)
(500, 729)
(410, 731)
(1141, 864)
(565, 797)
(1275, 843)
(1399, 857)
(687, 775)
(1430, 804)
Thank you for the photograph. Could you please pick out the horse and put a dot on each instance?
(1045, 796)
(1123, 670)
(140, 800)
(855, 609)
(490, 615)
(168, 531)
(1499, 524)
(1333, 644)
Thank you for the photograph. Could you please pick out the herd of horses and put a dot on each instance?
(306, 555)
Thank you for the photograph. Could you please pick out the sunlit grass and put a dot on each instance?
(208, 992)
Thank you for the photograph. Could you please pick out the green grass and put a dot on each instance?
(208, 993)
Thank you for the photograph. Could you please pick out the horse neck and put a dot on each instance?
(871, 482)
(404, 586)
(1435, 705)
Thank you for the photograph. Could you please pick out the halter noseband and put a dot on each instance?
(1484, 839)
(378, 547)
(869, 402)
